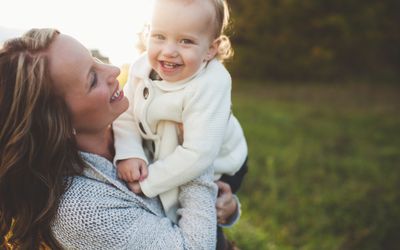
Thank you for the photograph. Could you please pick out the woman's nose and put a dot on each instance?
(114, 72)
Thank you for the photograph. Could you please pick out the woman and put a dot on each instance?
(57, 183)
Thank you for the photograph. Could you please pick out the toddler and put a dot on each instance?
(179, 120)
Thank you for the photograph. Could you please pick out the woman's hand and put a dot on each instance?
(226, 205)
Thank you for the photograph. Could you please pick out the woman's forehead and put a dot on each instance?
(66, 49)
(69, 60)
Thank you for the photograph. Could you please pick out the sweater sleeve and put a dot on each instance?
(95, 216)
(127, 139)
(205, 117)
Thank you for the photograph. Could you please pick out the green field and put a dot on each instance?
(324, 166)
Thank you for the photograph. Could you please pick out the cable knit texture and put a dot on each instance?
(99, 212)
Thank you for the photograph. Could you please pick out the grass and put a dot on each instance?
(324, 165)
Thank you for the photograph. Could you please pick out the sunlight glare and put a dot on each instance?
(110, 26)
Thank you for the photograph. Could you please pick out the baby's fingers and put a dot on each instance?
(144, 172)
(135, 174)
(135, 187)
(123, 176)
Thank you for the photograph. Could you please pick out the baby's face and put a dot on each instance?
(180, 38)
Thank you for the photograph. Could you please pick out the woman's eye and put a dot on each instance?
(93, 82)
(186, 41)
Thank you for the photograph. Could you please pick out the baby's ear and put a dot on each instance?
(213, 49)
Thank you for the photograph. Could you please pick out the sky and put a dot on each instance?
(108, 25)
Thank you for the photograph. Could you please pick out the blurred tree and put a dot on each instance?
(123, 76)
(315, 40)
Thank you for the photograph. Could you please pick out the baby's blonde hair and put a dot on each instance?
(225, 50)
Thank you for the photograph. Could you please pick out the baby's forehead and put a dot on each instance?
(200, 12)
(208, 5)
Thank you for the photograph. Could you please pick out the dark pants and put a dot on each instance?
(234, 181)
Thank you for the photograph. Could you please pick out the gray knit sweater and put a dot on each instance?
(99, 212)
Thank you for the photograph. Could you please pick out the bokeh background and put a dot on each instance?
(316, 40)
(316, 87)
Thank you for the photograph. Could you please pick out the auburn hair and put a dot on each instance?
(37, 146)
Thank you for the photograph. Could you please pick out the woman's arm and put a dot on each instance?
(196, 227)
(96, 215)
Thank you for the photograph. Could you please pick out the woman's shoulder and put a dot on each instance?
(99, 185)
(94, 214)
(84, 194)
(95, 207)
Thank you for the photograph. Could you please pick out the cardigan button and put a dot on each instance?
(145, 93)
(141, 128)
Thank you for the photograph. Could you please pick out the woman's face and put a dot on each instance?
(90, 88)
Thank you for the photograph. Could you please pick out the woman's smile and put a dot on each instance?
(117, 95)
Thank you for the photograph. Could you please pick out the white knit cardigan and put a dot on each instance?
(212, 135)
(99, 212)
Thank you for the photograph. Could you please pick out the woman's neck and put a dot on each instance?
(100, 143)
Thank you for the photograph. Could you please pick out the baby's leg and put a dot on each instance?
(235, 180)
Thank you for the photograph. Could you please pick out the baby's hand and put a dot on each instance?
(135, 187)
(132, 170)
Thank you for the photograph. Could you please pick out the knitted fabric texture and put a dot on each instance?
(98, 211)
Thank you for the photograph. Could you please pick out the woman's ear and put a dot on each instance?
(213, 49)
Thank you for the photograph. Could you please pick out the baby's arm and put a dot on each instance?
(130, 158)
(127, 139)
